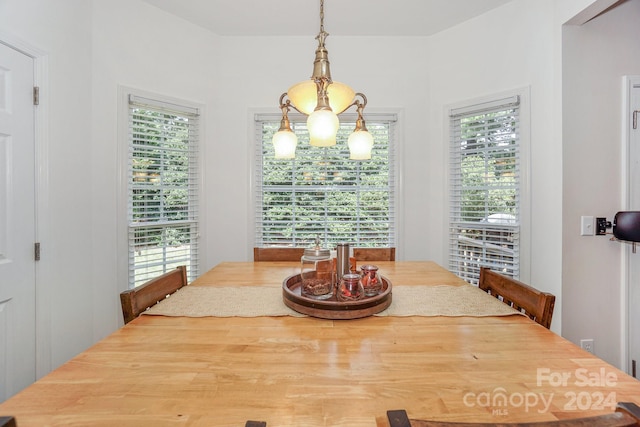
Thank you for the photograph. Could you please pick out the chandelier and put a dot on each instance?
(322, 99)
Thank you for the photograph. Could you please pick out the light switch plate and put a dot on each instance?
(586, 226)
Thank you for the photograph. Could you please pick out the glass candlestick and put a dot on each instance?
(371, 280)
(350, 288)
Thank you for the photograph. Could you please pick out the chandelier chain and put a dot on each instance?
(322, 16)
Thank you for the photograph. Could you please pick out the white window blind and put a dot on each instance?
(484, 182)
(163, 188)
(323, 193)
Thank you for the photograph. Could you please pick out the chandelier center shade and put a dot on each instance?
(322, 99)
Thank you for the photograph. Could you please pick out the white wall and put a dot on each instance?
(128, 43)
(391, 72)
(133, 49)
(62, 30)
(596, 56)
(510, 49)
(233, 77)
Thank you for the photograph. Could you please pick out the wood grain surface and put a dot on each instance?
(289, 371)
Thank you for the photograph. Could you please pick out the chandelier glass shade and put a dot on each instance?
(323, 127)
(285, 140)
(284, 144)
(322, 99)
(360, 144)
(304, 96)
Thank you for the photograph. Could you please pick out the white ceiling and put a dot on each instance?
(342, 17)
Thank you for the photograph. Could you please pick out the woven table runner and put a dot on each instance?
(255, 301)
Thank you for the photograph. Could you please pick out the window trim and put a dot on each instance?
(122, 226)
(525, 169)
(392, 114)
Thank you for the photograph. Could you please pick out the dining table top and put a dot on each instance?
(296, 370)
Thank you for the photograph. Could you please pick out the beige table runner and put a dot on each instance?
(254, 301)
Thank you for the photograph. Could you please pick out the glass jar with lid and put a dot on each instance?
(316, 272)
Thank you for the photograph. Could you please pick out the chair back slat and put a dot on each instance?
(524, 298)
(277, 254)
(374, 254)
(135, 301)
(294, 254)
(7, 422)
(627, 414)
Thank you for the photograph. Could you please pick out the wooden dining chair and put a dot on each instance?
(374, 254)
(532, 302)
(627, 414)
(8, 422)
(135, 301)
(294, 254)
(277, 254)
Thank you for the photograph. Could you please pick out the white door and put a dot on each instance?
(17, 223)
(633, 259)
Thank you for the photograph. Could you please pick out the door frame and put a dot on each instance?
(628, 83)
(41, 194)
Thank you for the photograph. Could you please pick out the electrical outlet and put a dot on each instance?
(587, 345)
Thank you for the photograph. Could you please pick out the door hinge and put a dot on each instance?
(635, 119)
(36, 95)
(36, 251)
(633, 369)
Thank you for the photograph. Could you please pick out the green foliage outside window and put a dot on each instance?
(485, 182)
(162, 189)
(160, 175)
(323, 193)
(489, 173)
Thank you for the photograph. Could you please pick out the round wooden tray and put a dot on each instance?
(331, 308)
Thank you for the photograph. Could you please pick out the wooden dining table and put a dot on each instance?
(306, 371)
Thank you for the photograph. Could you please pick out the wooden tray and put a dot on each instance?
(331, 308)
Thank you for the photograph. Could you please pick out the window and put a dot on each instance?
(323, 193)
(484, 184)
(162, 188)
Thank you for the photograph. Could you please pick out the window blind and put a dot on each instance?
(322, 192)
(484, 185)
(163, 189)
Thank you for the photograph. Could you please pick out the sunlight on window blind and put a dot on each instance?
(163, 193)
(484, 189)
